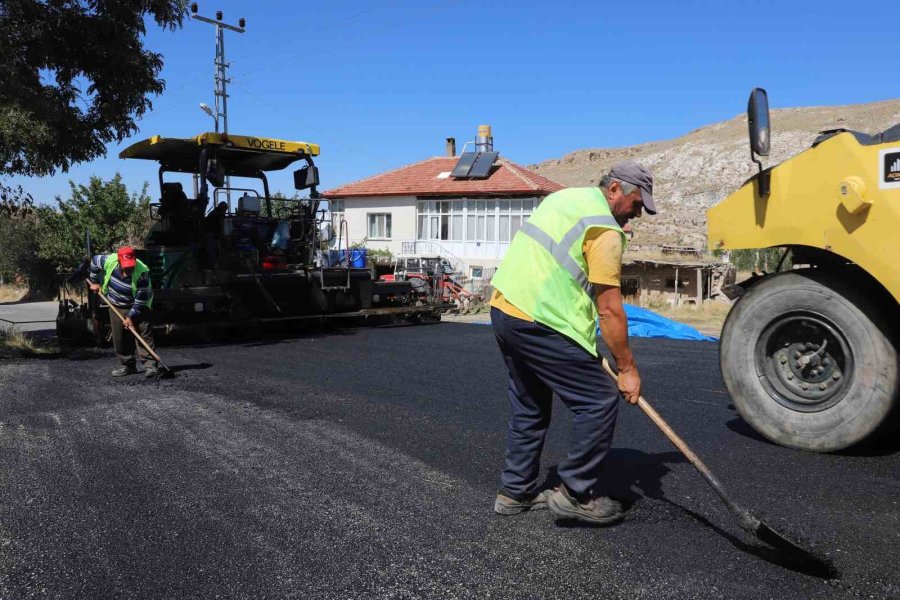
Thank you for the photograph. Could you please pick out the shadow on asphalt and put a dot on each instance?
(248, 339)
(884, 445)
(741, 427)
(196, 366)
(766, 553)
(272, 335)
(631, 475)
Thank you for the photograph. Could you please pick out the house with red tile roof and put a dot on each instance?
(423, 209)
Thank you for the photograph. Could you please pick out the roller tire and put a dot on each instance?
(833, 308)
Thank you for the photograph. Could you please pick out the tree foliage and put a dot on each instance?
(759, 259)
(75, 77)
(18, 239)
(105, 208)
(282, 205)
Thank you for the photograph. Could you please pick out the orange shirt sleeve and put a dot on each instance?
(603, 253)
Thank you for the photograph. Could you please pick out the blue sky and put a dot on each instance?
(382, 84)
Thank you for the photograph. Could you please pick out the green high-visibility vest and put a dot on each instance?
(544, 273)
(109, 265)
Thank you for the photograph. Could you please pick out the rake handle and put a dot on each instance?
(137, 335)
(746, 520)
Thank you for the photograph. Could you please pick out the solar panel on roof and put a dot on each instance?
(482, 167)
(464, 164)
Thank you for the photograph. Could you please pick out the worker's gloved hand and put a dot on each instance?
(95, 287)
(630, 384)
(128, 323)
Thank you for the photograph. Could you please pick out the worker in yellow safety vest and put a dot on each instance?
(560, 275)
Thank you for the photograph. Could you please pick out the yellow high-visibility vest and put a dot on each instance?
(544, 273)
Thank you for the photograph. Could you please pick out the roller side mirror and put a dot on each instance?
(758, 121)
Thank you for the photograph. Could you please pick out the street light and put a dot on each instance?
(205, 108)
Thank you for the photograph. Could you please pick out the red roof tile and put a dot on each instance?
(422, 179)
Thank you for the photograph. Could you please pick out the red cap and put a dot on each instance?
(126, 257)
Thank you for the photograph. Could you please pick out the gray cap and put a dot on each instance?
(637, 174)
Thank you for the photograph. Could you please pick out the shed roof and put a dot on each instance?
(431, 177)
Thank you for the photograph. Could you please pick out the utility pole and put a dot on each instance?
(221, 77)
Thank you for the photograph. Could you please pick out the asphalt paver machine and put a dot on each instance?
(234, 255)
(809, 353)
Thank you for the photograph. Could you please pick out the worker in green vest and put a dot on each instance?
(560, 275)
(125, 280)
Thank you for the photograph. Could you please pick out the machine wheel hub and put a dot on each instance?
(804, 362)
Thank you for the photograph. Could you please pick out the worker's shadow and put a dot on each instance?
(190, 367)
(631, 476)
(628, 475)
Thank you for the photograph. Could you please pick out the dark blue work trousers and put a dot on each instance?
(542, 361)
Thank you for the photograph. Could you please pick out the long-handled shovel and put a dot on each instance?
(747, 521)
(166, 370)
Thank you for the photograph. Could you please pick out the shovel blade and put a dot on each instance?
(811, 562)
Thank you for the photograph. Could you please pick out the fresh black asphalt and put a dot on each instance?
(363, 464)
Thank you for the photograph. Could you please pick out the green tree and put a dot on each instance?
(18, 239)
(282, 206)
(759, 259)
(76, 76)
(105, 208)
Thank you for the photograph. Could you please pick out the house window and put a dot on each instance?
(379, 226)
(337, 208)
(630, 286)
(472, 220)
(670, 283)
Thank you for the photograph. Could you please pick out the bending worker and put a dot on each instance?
(561, 272)
(126, 282)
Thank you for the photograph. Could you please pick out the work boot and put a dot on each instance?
(506, 505)
(597, 511)
(151, 371)
(123, 370)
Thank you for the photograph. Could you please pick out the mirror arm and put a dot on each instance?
(265, 181)
(313, 193)
(763, 178)
(204, 185)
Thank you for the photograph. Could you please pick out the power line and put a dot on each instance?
(397, 23)
(321, 29)
(304, 126)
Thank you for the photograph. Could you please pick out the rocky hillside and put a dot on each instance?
(697, 170)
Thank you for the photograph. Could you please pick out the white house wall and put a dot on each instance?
(404, 234)
(403, 220)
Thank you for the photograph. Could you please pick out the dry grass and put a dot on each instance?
(12, 293)
(14, 342)
(708, 317)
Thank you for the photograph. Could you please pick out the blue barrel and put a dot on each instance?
(358, 258)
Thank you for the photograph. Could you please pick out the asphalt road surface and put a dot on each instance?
(363, 464)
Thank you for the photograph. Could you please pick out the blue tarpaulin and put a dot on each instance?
(646, 323)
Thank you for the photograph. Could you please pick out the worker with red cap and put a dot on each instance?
(126, 282)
